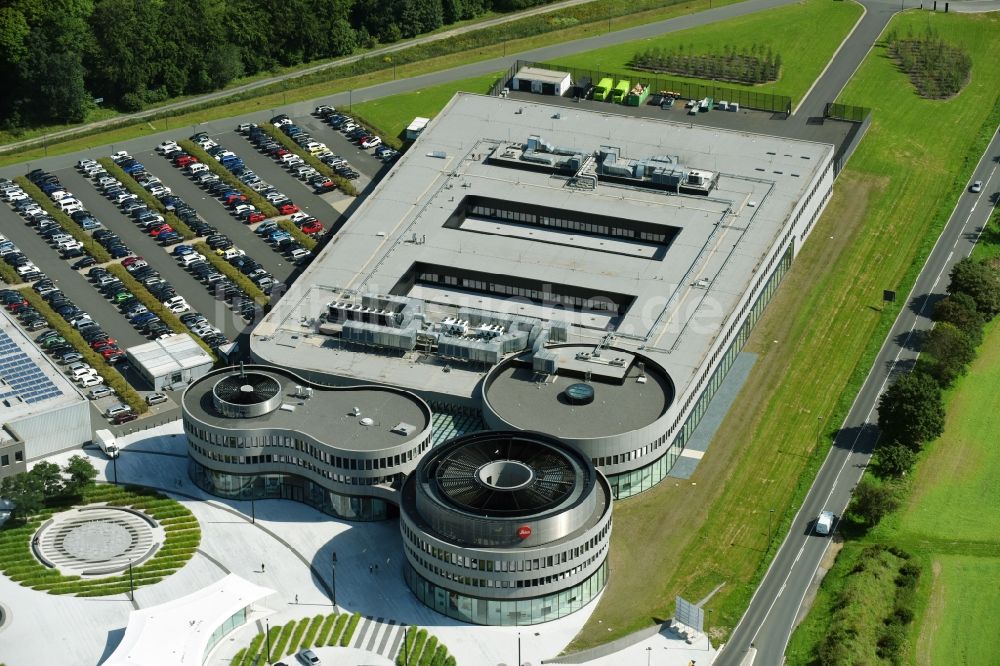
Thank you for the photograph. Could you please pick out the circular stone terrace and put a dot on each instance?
(97, 540)
(617, 396)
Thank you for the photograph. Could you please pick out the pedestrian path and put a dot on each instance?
(379, 637)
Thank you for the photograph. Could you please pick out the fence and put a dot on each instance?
(854, 114)
(749, 99)
(848, 145)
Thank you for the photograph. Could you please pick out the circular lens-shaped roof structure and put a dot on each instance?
(507, 475)
(245, 394)
(579, 393)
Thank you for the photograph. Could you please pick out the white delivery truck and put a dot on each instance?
(106, 440)
(824, 523)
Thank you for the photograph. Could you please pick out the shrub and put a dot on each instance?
(227, 269)
(418, 646)
(8, 274)
(440, 655)
(890, 643)
(872, 502)
(262, 204)
(296, 639)
(238, 657)
(111, 376)
(352, 624)
(134, 187)
(154, 305)
(344, 185)
(310, 636)
(278, 647)
(430, 647)
(324, 632)
(338, 628)
(90, 246)
(893, 459)
(302, 238)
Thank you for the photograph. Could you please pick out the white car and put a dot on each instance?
(824, 523)
(197, 167)
(87, 382)
(373, 142)
(977, 186)
(167, 146)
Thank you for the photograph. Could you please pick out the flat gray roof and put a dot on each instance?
(163, 357)
(30, 383)
(517, 396)
(681, 299)
(327, 415)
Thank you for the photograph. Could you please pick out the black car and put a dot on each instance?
(83, 263)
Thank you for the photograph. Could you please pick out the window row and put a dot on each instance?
(504, 566)
(517, 583)
(597, 303)
(318, 453)
(491, 213)
(292, 460)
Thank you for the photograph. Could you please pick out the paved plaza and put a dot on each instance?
(288, 548)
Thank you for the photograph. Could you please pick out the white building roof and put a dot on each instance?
(177, 633)
(539, 74)
(173, 354)
(418, 124)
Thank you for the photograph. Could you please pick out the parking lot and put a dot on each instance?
(360, 159)
(197, 296)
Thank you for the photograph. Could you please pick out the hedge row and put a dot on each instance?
(8, 274)
(278, 647)
(231, 272)
(352, 625)
(310, 637)
(345, 186)
(324, 633)
(112, 378)
(338, 629)
(133, 186)
(90, 246)
(303, 239)
(262, 204)
(154, 305)
(17, 562)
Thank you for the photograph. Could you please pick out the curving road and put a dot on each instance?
(770, 618)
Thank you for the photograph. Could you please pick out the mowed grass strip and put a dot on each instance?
(815, 344)
(390, 116)
(805, 34)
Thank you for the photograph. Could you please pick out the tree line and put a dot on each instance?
(911, 411)
(754, 64)
(56, 58)
(46, 484)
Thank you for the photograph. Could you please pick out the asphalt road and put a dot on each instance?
(76, 287)
(770, 618)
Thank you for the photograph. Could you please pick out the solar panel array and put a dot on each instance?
(23, 376)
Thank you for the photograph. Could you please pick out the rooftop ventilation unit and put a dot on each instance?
(402, 428)
(246, 394)
(367, 421)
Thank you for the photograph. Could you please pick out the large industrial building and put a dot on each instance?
(579, 273)
(41, 411)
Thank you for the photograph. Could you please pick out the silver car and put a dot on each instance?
(308, 657)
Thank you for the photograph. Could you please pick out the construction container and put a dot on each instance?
(618, 94)
(603, 89)
(637, 96)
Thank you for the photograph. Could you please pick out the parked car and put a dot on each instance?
(155, 398)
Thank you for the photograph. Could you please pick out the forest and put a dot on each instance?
(938, 69)
(58, 57)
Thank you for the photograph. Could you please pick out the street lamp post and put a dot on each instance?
(406, 658)
(267, 636)
(131, 584)
(114, 464)
(333, 579)
(770, 514)
(519, 648)
(253, 504)
(649, 654)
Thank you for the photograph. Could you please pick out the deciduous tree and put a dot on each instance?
(911, 411)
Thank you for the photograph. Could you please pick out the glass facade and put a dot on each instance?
(237, 619)
(293, 487)
(506, 612)
(635, 481)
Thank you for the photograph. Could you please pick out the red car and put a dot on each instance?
(124, 417)
(233, 199)
(256, 217)
(156, 231)
(110, 342)
(288, 209)
(281, 152)
(128, 261)
(184, 160)
(108, 352)
(312, 227)
(11, 306)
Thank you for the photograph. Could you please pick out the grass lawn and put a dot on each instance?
(391, 115)
(886, 212)
(805, 34)
(964, 603)
(298, 90)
